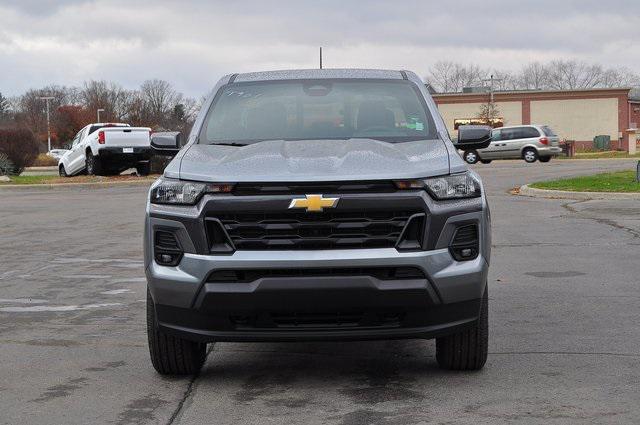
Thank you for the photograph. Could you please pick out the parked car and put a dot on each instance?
(57, 153)
(318, 204)
(528, 142)
(107, 148)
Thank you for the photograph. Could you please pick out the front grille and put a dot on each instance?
(251, 275)
(288, 230)
(303, 188)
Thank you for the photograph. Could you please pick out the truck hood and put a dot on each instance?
(311, 160)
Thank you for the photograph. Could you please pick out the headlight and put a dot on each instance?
(178, 192)
(454, 186)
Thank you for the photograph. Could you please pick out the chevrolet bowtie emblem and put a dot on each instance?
(314, 203)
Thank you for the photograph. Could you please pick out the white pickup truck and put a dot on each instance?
(107, 148)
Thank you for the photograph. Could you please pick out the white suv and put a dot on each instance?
(528, 142)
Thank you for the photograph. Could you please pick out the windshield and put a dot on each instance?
(245, 113)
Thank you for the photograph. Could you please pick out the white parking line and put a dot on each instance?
(116, 291)
(41, 308)
(22, 301)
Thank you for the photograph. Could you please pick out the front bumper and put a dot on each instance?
(186, 304)
(319, 307)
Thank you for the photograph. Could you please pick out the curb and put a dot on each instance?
(66, 186)
(531, 192)
(43, 168)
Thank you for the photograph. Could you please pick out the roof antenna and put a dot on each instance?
(320, 57)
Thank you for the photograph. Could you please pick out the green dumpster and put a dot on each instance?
(602, 143)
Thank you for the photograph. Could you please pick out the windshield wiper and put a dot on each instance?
(229, 144)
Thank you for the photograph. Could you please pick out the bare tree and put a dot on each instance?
(555, 75)
(622, 77)
(446, 76)
(108, 96)
(160, 100)
(31, 110)
(534, 76)
(563, 75)
(4, 109)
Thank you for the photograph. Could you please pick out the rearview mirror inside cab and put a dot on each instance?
(473, 137)
(166, 143)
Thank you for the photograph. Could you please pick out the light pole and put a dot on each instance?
(491, 80)
(47, 99)
(98, 111)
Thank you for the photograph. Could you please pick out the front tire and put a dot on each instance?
(545, 158)
(171, 355)
(486, 161)
(93, 165)
(466, 350)
(471, 157)
(62, 172)
(530, 155)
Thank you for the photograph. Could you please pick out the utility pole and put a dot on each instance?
(98, 111)
(320, 57)
(47, 99)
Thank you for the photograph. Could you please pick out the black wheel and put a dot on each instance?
(486, 161)
(466, 350)
(471, 157)
(544, 158)
(171, 355)
(143, 168)
(530, 155)
(62, 171)
(93, 165)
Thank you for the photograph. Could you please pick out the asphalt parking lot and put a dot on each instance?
(564, 334)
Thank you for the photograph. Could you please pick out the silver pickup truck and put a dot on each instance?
(317, 205)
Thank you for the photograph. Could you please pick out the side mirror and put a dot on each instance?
(166, 143)
(473, 137)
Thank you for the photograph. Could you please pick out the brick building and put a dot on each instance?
(577, 115)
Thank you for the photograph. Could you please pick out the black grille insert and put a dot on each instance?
(326, 230)
(251, 275)
(314, 187)
(166, 241)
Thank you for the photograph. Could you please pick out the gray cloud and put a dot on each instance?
(193, 43)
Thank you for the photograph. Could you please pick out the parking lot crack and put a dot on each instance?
(187, 394)
(609, 222)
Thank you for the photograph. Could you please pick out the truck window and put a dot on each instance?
(318, 109)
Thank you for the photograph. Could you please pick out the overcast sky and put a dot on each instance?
(193, 43)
